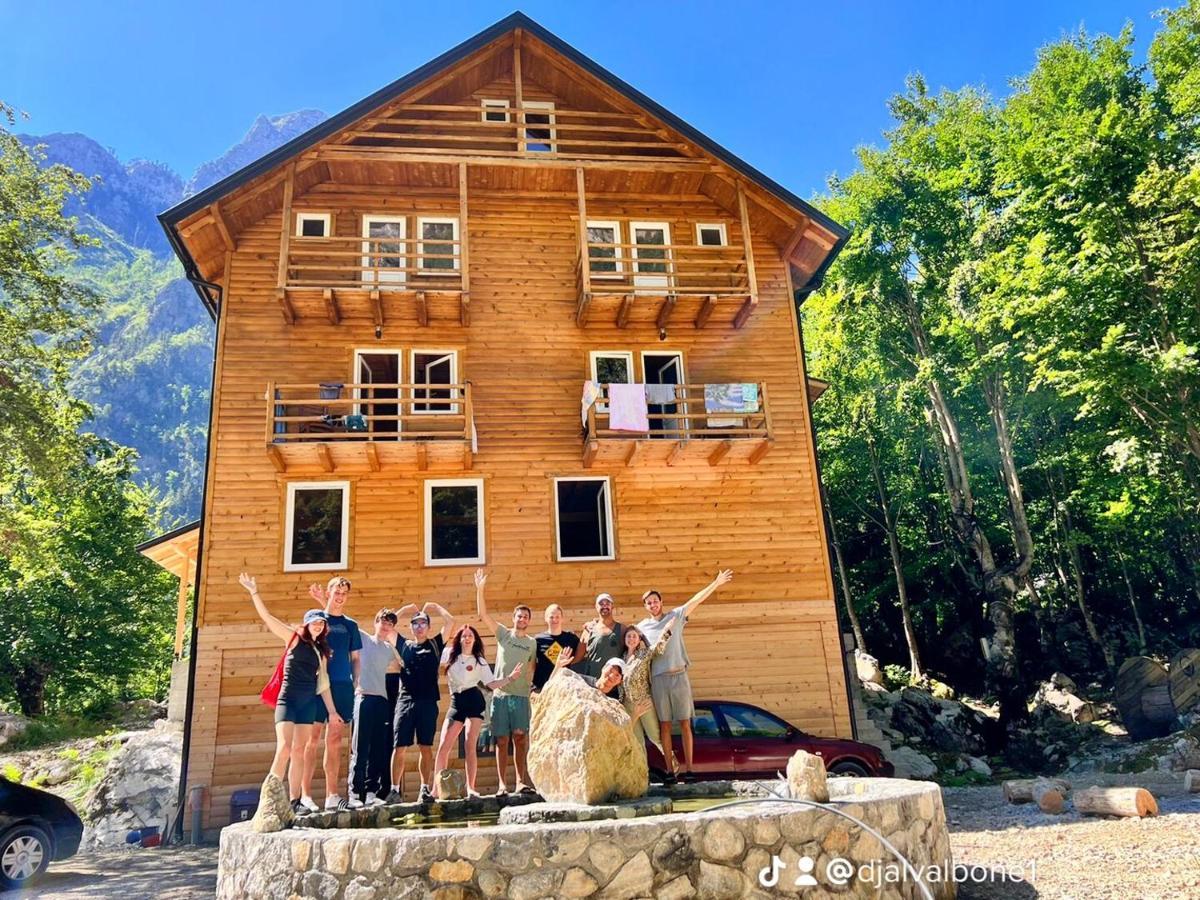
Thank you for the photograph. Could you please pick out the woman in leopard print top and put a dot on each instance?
(635, 688)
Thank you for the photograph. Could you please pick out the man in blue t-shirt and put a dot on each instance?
(344, 644)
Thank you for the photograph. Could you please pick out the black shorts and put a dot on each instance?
(468, 704)
(342, 694)
(300, 708)
(415, 718)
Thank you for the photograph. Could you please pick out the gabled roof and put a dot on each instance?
(517, 20)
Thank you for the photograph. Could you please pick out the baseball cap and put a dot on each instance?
(313, 614)
(615, 661)
(604, 595)
(419, 617)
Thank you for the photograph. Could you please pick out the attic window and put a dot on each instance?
(539, 126)
(711, 235)
(312, 225)
(494, 110)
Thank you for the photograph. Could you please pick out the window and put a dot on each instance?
(383, 248)
(539, 126)
(378, 371)
(434, 367)
(745, 721)
(583, 518)
(312, 225)
(711, 235)
(494, 110)
(454, 521)
(704, 724)
(604, 262)
(438, 258)
(650, 252)
(612, 366)
(317, 531)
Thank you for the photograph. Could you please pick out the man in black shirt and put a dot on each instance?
(550, 644)
(417, 704)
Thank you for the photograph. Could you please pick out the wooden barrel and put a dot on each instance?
(1184, 680)
(1143, 698)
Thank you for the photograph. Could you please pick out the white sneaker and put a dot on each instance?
(353, 803)
(332, 801)
(310, 804)
(372, 800)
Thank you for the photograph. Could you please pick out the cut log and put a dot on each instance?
(1184, 680)
(1116, 801)
(1048, 797)
(1191, 781)
(1021, 790)
(1143, 698)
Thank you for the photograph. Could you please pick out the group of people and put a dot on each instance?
(385, 688)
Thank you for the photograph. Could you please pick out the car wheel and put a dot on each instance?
(24, 854)
(849, 767)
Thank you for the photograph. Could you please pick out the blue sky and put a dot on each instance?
(792, 87)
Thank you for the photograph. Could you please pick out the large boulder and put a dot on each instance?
(274, 811)
(581, 745)
(1052, 699)
(11, 726)
(911, 763)
(867, 668)
(806, 777)
(139, 788)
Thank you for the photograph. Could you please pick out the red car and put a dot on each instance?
(737, 740)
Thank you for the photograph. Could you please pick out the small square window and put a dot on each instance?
(454, 522)
(711, 235)
(583, 519)
(318, 526)
(539, 126)
(312, 225)
(604, 262)
(494, 110)
(437, 258)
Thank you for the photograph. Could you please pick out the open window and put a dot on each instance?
(539, 126)
(317, 528)
(604, 262)
(377, 372)
(494, 110)
(437, 249)
(711, 234)
(662, 370)
(583, 519)
(313, 225)
(434, 367)
(454, 522)
(651, 242)
(384, 257)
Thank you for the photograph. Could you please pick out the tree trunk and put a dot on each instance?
(30, 684)
(845, 580)
(1076, 561)
(1137, 616)
(1116, 801)
(889, 526)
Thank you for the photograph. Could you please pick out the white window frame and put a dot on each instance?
(651, 279)
(719, 227)
(608, 519)
(324, 218)
(289, 526)
(452, 409)
(400, 275)
(619, 270)
(422, 221)
(627, 355)
(539, 106)
(359, 353)
(489, 105)
(427, 514)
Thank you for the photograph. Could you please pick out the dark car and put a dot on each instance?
(737, 740)
(35, 828)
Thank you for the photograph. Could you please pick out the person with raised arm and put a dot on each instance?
(417, 704)
(305, 687)
(670, 687)
(635, 688)
(510, 705)
(466, 669)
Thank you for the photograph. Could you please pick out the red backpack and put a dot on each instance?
(270, 693)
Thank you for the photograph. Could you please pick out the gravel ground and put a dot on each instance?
(1070, 857)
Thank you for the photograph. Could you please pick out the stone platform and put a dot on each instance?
(577, 812)
(709, 854)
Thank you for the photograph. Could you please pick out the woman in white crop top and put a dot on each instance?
(466, 669)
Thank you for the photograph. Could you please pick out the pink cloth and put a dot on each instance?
(627, 407)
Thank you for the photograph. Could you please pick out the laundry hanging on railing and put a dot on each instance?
(730, 398)
(627, 408)
(591, 393)
(660, 394)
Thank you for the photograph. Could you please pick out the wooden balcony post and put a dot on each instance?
(519, 112)
(752, 301)
(468, 424)
(270, 412)
(585, 265)
(766, 408)
(289, 184)
(464, 258)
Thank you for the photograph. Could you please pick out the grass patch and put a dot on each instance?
(56, 729)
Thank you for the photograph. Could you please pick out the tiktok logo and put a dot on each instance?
(768, 877)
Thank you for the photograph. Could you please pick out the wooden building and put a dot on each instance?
(410, 298)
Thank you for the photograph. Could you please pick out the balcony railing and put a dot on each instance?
(377, 263)
(693, 426)
(335, 427)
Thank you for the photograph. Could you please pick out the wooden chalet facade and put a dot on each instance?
(409, 300)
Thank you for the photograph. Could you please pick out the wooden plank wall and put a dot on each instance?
(770, 637)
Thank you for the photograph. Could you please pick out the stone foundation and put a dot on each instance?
(711, 854)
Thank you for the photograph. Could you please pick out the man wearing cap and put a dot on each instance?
(417, 705)
(612, 673)
(601, 639)
(510, 705)
(371, 739)
(345, 642)
(669, 685)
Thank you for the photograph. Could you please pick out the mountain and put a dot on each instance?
(149, 376)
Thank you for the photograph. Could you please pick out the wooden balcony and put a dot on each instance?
(374, 278)
(369, 427)
(682, 432)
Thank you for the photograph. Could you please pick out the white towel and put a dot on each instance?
(660, 394)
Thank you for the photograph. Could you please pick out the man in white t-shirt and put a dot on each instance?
(371, 741)
(669, 684)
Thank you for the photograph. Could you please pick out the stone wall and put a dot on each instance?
(704, 854)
